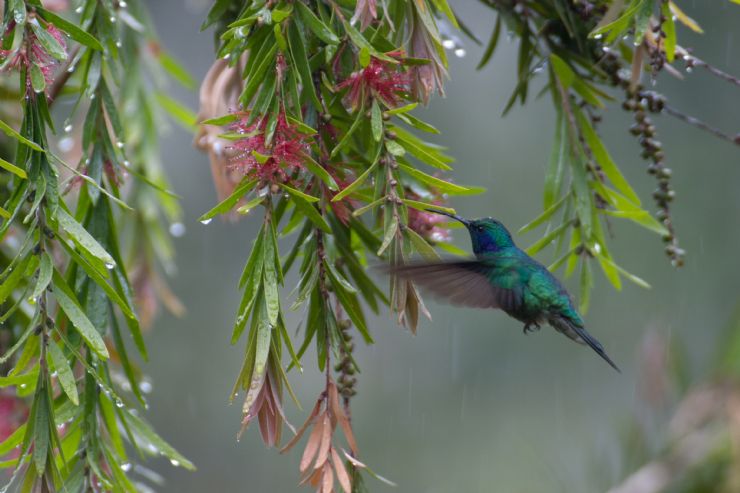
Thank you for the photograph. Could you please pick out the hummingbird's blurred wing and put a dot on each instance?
(467, 283)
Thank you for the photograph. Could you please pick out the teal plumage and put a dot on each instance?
(503, 276)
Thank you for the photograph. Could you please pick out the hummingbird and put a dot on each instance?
(503, 276)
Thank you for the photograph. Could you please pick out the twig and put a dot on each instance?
(691, 120)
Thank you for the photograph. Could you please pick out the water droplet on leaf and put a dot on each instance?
(206, 221)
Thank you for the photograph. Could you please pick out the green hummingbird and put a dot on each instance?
(503, 276)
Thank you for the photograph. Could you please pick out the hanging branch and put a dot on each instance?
(309, 116)
(592, 50)
(67, 296)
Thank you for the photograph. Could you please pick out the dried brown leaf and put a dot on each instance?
(327, 483)
(302, 429)
(323, 454)
(348, 434)
(312, 446)
(342, 474)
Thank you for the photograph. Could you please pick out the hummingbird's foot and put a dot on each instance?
(531, 327)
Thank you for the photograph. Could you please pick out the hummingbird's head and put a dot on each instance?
(487, 234)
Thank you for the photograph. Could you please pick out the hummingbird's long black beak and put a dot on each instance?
(453, 216)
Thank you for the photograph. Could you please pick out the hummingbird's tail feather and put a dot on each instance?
(570, 329)
(595, 345)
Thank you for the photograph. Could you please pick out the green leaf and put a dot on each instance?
(71, 307)
(348, 134)
(320, 172)
(339, 277)
(300, 59)
(545, 216)
(359, 40)
(556, 166)
(586, 284)
(12, 168)
(321, 30)
(64, 372)
(640, 282)
(41, 435)
(402, 109)
(220, 121)
(178, 111)
(74, 32)
(142, 429)
(17, 275)
(357, 183)
(608, 166)
(418, 124)
(669, 28)
(425, 152)
(38, 81)
(643, 218)
(376, 121)
(423, 206)
(565, 74)
(390, 233)
(251, 204)
(395, 148)
(547, 239)
(304, 196)
(46, 269)
(48, 42)
(364, 57)
(176, 70)
(8, 130)
(371, 205)
(441, 185)
(492, 43)
(229, 202)
(421, 245)
(83, 239)
(309, 210)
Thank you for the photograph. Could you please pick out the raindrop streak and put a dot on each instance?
(206, 222)
(177, 229)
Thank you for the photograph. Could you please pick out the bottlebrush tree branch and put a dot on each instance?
(316, 130)
(591, 53)
(68, 302)
(307, 115)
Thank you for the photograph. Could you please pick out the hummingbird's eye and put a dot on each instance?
(479, 228)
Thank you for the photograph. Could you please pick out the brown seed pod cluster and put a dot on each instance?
(346, 366)
(640, 104)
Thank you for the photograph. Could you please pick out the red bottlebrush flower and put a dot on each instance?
(380, 79)
(270, 162)
(33, 53)
(366, 12)
(426, 224)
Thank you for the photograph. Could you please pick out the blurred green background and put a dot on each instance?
(469, 404)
